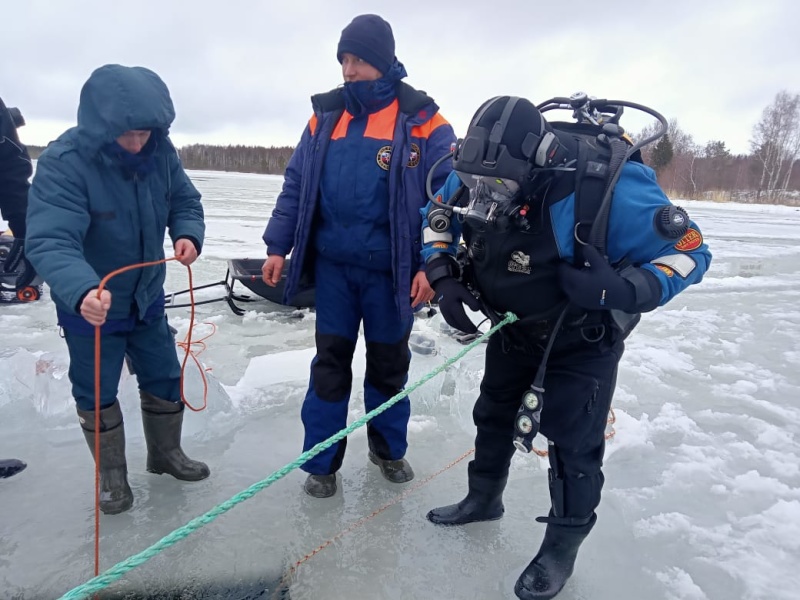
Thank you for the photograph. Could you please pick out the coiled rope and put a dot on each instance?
(98, 335)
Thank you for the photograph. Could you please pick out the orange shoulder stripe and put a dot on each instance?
(380, 125)
(426, 129)
(312, 124)
(340, 130)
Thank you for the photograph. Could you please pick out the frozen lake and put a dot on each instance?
(702, 494)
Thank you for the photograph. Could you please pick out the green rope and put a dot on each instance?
(117, 571)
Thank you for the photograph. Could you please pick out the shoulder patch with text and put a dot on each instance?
(519, 263)
(691, 240)
(665, 269)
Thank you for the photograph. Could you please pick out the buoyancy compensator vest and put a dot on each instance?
(506, 224)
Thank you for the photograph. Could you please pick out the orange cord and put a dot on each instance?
(288, 575)
(612, 418)
(97, 337)
(187, 345)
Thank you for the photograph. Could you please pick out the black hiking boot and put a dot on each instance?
(396, 471)
(320, 486)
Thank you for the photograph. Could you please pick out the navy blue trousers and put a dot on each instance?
(150, 345)
(346, 295)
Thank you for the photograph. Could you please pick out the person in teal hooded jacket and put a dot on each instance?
(103, 196)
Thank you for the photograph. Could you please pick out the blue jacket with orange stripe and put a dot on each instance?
(415, 132)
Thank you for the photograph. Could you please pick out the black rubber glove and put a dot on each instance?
(451, 296)
(598, 286)
(17, 263)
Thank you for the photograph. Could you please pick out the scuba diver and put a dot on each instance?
(566, 228)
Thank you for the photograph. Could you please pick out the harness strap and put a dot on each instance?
(599, 231)
(591, 178)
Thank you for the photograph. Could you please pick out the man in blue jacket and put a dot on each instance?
(517, 182)
(349, 212)
(104, 194)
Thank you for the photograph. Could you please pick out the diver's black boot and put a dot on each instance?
(396, 471)
(10, 466)
(484, 502)
(549, 570)
(115, 493)
(162, 422)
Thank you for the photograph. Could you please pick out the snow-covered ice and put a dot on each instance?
(702, 495)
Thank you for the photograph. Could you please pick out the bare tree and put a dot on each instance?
(793, 149)
(677, 173)
(678, 177)
(776, 143)
(682, 142)
(647, 151)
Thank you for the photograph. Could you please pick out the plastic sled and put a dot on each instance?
(247, 273)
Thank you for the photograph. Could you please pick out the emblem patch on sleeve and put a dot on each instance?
(691, 240)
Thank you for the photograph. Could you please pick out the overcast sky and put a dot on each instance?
(242, 72)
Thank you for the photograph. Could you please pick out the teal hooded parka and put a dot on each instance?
(88, 214)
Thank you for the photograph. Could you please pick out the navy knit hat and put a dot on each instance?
(370, 38)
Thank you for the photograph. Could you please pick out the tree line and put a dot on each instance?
(240, 159)
(243, 159)
(768, 174)
(685, 169)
